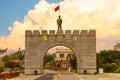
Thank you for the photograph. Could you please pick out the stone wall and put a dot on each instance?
(82, 43)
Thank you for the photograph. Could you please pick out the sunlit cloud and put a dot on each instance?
(101, 15)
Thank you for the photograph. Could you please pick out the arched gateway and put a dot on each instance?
(82, 43)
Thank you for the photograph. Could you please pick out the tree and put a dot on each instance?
(21, 57)
(48, 58)
(2, 64)
(109, 60)
(8, 64)
(6, 58)
(73, 62)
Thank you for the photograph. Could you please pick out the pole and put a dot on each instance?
(61, 63)
(59, 9)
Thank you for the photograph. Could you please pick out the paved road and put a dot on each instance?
(60, 76)
(54, 75)
(68, 76)
(48, 76)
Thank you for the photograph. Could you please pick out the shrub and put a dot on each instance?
(117, 70)
(1, 69)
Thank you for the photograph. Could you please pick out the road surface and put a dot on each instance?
(48, 76)
(60, 76)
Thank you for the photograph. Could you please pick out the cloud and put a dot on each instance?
(102, 15)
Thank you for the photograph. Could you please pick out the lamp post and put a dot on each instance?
(68, 62)
(61, 56)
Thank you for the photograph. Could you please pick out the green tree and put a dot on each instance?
(21, 57)
(109, 60)
(117, 70)
(6, 58)
(48, 57)
(73, 62)
(113, 67)
(8, 64)
(2, 65)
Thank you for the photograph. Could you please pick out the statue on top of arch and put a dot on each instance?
(59, 22)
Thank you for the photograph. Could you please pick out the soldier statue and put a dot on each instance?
(59, 22)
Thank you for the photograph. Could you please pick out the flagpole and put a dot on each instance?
(59, 9)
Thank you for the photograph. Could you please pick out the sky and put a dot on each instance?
(12, 10)
(16, 16)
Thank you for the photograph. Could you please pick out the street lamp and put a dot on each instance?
(61, 56)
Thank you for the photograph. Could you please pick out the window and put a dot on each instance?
(61, 55)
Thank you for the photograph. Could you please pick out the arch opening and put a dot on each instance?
(60, 58)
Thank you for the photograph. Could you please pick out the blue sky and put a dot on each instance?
(12, 10)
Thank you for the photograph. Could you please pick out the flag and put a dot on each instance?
(57, 8)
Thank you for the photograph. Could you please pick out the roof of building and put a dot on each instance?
(64, 51)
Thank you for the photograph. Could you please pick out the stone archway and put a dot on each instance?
(83, 44)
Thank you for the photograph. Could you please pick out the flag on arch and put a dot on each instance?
(57, 8)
